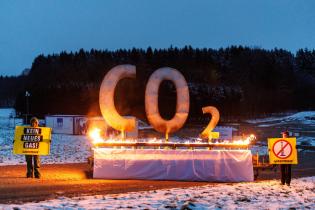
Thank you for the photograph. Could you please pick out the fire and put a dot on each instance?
(241, 142)
(246, 141)
(96, 138)
(95, 135)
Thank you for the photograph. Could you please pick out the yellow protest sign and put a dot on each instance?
(282, 151)
(32, 141)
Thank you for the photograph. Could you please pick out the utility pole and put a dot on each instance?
(27, 95)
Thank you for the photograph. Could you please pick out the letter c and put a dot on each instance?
(106, 97)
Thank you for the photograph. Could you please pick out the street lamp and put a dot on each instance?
(27, 95)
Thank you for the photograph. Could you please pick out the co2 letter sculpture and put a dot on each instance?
(151, 100)
(215, 116)
(106, 98)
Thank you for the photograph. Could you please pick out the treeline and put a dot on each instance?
(239, 81)
(10, 87)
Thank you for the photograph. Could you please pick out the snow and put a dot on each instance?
(306, 140)
(254, 195)
(76, 149)
(64, 149)
(8, 112)
(306, 118)
(300, 124)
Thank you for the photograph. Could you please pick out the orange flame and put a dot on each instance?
(95, 135)
(246, 141)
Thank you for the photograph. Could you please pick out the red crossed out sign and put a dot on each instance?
(282, 149)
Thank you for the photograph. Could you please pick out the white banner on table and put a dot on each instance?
(188, 165)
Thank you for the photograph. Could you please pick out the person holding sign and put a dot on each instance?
(33, 169)
(283, 151)
(32, 141)
(285, 168)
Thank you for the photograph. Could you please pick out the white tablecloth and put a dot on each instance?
(188, 165)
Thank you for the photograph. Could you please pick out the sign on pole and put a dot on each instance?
(32, 141)
(282, 151)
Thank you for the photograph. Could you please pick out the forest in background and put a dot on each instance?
(239, 81)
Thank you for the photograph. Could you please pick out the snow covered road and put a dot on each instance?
(256, 195)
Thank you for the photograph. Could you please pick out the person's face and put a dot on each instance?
(34, 123)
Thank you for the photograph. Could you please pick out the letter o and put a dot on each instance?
(106, 97)
(151, 100)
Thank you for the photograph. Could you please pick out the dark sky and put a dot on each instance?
(29, 28)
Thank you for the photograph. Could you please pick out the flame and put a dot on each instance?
(95, 135)
(154, 140)
(241, 142)
(246, 141)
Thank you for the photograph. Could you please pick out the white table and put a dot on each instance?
(188, 165)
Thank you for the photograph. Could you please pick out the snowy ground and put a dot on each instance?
(64, 149)
(258, 195)
(301, 125)
(74, 149)
(7, 112)
(300, 117)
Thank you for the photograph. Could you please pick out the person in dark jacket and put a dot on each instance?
(33, 169)
(285, 168)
